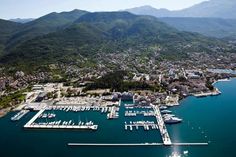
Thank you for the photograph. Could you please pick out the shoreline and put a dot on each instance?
(5, 111)
(222, 80)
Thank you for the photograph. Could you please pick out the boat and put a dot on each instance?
(185, 152)
(172, 120)
(168, 115)
(163, 107)
(166, 111)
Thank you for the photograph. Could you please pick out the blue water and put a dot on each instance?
(209, 119)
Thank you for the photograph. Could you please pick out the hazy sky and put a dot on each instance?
(36, 8)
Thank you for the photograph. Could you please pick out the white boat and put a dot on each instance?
(172, 120)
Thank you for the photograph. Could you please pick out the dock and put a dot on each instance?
(31, 125)
(212, 93)
(19, 115)
(161, 124)
(113, 114)
(137, 144)
(145, 124)
(28, 124)
(135, 113)
(48, 126)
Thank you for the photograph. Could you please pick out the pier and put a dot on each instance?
(19, 115)
(136, 144)
(29, 123)
(161, 124)
(135, 113)
(50, 126)
(113, 114)
(56, 125)
(145, 124)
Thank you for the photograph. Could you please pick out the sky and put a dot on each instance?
(35, 8)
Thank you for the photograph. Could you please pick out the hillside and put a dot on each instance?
(211, 8)
(44, 25)
(8, 28)
(108, 32)
(213, 27)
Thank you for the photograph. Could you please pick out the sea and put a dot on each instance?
(208, 119)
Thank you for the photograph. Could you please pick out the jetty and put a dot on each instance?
(161, 124)
(211, 93)
(52, 126)
(29, 123)
(56, 125)
(19, 115)
(137, 144)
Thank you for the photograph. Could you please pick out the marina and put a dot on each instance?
(189, 136)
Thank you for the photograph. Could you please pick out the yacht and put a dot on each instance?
(162, 107)
(172, 120)
(166, 111)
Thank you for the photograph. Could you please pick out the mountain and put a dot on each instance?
(149, 10)
(213, 27)
(8, 28)
(44, 25)
(108, 32)
(19, 20)
(211, 8)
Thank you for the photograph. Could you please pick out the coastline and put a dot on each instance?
(222, 80)
(5, 111)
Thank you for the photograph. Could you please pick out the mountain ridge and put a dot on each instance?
(108, 32)
(211, 8)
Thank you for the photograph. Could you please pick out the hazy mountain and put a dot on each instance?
(149, 10)
(213, 27)
(211, 8)
(108, 32)
(44, 25)
(19, 20)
